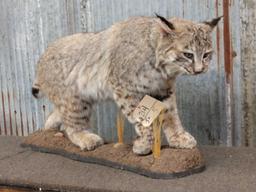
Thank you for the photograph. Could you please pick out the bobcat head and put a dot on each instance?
(184, 46)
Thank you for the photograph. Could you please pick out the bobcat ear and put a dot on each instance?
(166, 26)
(213, 23)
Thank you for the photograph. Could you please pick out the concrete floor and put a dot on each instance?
(228, 169)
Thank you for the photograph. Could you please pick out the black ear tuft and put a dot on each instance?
(213, 23)
(165, 21)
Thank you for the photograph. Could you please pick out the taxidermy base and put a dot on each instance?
(173, 163)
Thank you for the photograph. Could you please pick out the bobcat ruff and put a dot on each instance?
(139, 56)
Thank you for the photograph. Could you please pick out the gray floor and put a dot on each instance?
(228, 169)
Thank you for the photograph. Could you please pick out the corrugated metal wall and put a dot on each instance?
(248, 61)
(210, 104)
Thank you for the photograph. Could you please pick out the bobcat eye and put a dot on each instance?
(206, 55)
(189, 55)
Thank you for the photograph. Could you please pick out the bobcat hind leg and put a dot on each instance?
(54, 120)
(76, 124)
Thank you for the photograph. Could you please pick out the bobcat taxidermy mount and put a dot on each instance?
(139, 56)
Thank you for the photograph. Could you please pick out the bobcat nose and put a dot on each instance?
(198, 70)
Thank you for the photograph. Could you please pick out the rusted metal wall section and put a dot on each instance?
(248, 61)
(237, 81)
(210, 104)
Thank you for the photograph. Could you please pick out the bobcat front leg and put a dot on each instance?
(175, 134)
(127, 102)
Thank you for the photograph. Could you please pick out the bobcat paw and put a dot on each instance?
(182, 139)
(85, 140)
(141, 147)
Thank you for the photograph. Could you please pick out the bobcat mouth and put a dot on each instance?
(197, 73)
(192, 72)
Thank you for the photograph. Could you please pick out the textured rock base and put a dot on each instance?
(172, 163)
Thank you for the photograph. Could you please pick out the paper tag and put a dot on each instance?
(148, 110)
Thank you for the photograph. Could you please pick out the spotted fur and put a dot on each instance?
(139, 56)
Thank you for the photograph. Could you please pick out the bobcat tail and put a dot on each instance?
(36, 91)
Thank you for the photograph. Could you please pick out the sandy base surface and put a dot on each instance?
(172, 162)
(227, 169)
